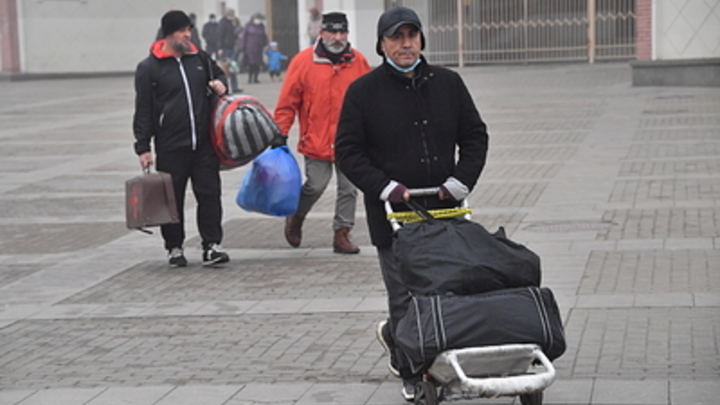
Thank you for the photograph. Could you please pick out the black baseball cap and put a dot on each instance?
(393, 19)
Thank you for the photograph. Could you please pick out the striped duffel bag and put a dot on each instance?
(242, 129)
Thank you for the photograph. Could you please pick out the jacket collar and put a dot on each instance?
(156, 49)
(321, 55)
(423, 72)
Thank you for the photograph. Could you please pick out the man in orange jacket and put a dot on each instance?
(313, 90)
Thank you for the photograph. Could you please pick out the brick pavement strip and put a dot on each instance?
(191, 350)
(152, 281)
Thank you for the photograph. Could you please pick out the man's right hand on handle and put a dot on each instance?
(146, 160)
(399, 194)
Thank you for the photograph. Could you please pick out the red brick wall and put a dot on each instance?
(9, 37)
(643, 27)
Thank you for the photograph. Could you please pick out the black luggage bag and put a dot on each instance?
(437, 323)
(458, 256)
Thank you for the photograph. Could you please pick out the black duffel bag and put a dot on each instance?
(439, 256)
(437, 323)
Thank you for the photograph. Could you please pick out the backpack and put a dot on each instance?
(242, 129)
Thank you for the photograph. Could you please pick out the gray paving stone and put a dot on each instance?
(573, 392)
(14, 397)
(707, 299)
(630, 392)
(349, 394)
(193, 395)
(269, 393)
(664, 300)
(694, 392)
(131, 396)
(64, 396)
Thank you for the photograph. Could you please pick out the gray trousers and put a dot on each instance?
(317, 177)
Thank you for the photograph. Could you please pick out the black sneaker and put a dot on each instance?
(176, 258)
(383, 336)
(408, 389)
(214, 255)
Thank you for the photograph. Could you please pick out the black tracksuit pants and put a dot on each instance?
(202, 168)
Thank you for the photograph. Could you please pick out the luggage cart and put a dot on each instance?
(480, 372)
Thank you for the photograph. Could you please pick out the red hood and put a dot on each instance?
(157, 49)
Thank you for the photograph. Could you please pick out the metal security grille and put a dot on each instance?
(284, 25)
(502, 31)
(615, 29)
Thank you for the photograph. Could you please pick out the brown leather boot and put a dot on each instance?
(342, 244)
(293, 229)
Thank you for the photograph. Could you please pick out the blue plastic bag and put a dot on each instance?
(272, 185)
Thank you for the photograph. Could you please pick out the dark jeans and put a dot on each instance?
(253, 71)
(229, 54)
(201, 167)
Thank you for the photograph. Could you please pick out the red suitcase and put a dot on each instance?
(150, 201)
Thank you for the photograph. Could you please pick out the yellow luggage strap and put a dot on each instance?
(410, 216)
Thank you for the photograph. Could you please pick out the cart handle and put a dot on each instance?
(419, 192)
(503, 386)
(422, 192)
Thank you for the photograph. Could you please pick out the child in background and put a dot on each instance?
(274, 58)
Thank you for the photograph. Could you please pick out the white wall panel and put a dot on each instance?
(60, 36)
(687, 29)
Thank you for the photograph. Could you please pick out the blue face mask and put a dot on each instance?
(403, 70)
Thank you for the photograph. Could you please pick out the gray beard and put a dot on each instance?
(180, 47)
(336, 47)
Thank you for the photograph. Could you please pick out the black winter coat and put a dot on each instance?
(226, 34)
(165, 88)
(395, 128)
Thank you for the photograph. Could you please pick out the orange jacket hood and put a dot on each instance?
(157, 49)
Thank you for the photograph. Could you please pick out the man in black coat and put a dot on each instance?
(210, 35)
(226, 39)
(400, 127)
(172, 110)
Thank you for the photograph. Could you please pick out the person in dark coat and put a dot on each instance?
(172, 110)
(254, 42)
(226, 44)
(210, 35)
(194, 35)
(407, 124)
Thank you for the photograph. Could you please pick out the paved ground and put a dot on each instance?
(617, 188)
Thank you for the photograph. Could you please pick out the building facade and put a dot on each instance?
(81, 37)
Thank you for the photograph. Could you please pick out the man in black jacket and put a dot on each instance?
(400, 127)
(210, 35)
(172, 109)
